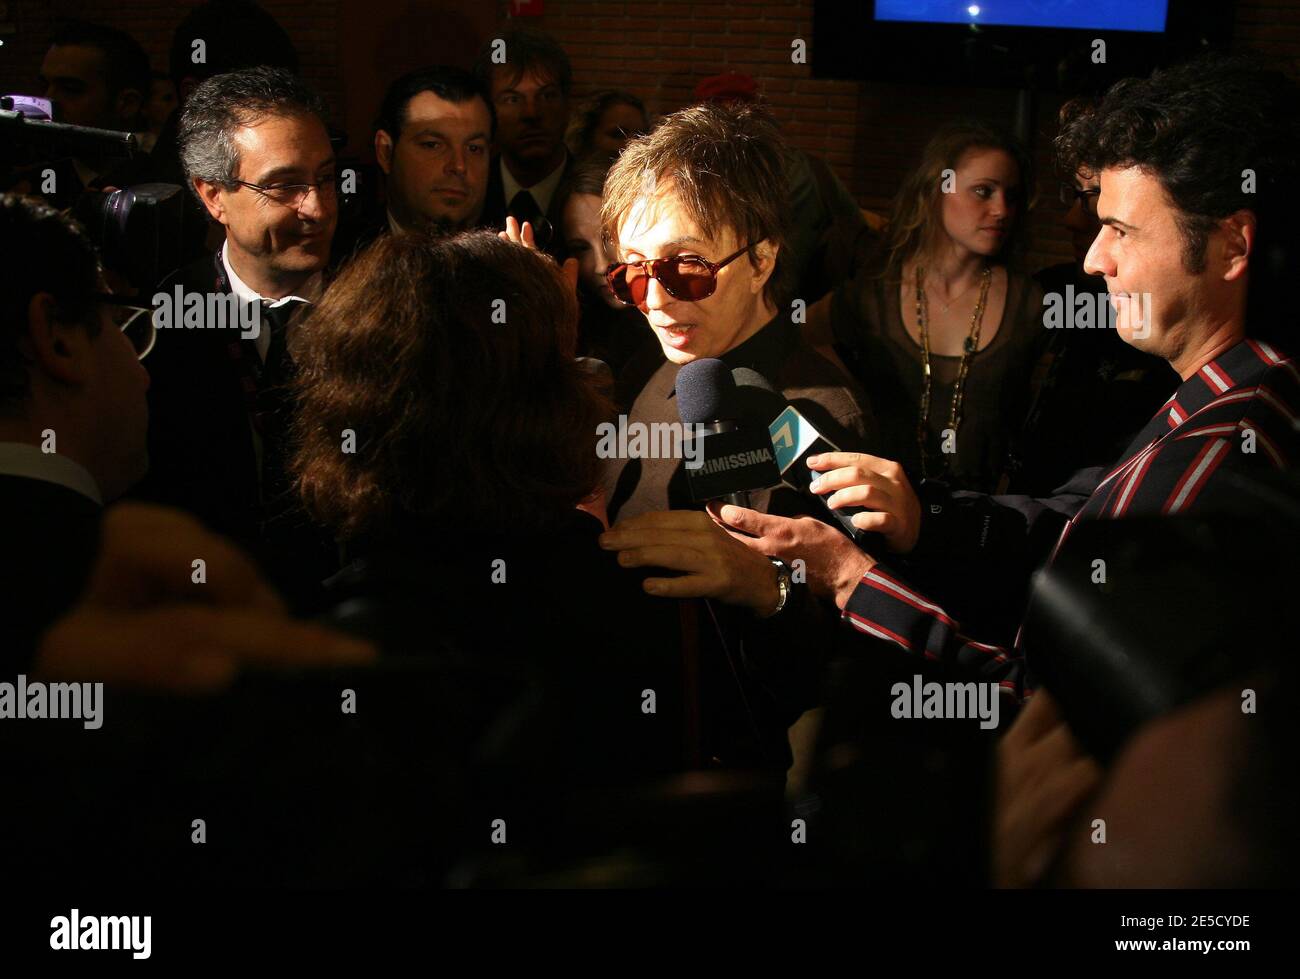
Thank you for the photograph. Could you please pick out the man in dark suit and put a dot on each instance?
(73, 416)
(95, 76)
(258, 157)
(433, 142)
(529, 78)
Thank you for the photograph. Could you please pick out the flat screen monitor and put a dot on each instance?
(1102, 15)
(1010, 43)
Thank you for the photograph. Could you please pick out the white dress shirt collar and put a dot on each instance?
(542, 191)
(28, 461)
(309, 293)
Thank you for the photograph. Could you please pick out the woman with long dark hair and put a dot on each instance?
(942, 327)
(447, 435)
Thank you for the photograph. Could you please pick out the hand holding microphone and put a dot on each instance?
(889, 505)
(875, 503)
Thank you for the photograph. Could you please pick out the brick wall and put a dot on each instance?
(868, 131)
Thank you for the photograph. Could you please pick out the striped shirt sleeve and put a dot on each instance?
(886, 607)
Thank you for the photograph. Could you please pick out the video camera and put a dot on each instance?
(137, 229)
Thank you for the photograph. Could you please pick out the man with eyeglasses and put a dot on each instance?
(73, 414)
(258, 157)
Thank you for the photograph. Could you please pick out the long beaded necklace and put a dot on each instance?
(969, 347)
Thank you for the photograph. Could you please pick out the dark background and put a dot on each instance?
(870, 132)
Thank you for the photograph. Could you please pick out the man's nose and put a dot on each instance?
(456, 161)
(1097, 261)
(314, 205)
(656, 296)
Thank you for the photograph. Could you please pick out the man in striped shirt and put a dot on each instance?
(1236, 411)
(1180, 246)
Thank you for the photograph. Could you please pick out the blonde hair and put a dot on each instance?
(916, 216)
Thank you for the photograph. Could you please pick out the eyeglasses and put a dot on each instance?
(1088, 197)
(135, 321)
(686, 277)
(292, 195)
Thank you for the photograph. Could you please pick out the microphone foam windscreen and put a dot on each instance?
(705, 392)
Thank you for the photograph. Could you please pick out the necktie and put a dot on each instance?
(273, 410)
(524, 207)
(278, 365)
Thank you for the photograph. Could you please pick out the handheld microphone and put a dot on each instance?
(794, 440)
(730, 458)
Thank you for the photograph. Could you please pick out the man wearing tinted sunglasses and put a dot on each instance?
(698, 230)
(695, 213)
(73, 414)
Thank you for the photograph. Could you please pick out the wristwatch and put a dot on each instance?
(784, 583)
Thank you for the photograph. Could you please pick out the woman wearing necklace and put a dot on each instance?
(940, 329)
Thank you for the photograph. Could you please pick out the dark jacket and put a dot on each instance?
(574, 642)
(755, 676)
(51, 537)
(495, 206)
(202, 449)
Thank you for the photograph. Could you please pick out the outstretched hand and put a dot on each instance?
(524, 234)
(712, 563)
(832, 563)
(148, 620)
(1043, 777)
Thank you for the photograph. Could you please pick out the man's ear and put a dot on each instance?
(58, 350)
(763, 264)
(384, 151)
(210, 195)
(1238, 242)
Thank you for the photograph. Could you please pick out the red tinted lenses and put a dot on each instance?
(686, 278)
